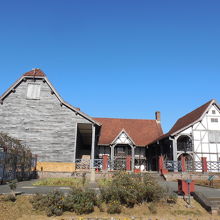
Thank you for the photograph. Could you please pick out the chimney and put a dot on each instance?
(157, 116)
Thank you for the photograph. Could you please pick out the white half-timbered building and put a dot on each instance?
(194, 136)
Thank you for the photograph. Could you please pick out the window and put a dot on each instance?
(214, 136)
(214, 120)
(213, 112)
(33, 91)
(120, 149)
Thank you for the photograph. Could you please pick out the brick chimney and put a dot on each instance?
(157, 116)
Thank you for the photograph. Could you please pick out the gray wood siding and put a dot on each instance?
(45, 126)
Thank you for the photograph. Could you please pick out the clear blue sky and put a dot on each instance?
(117, 58)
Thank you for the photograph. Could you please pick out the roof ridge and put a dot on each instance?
(126, 118)
(209, 102)
(190, 117)
(35, 72)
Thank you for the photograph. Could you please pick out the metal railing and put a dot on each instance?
(82, 164)
(98, 164)
(191, 166)
(117, 164)
(213, 166)
(173, 166)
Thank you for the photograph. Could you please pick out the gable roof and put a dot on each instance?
(118, 136)
(38, 73)
(141, 131)
(187, 120)
(190, 118)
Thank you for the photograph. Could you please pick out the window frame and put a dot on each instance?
(33, 98)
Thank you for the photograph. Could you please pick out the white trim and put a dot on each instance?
(198, 120)
(123, 131)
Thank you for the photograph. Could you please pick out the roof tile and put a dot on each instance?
(35, 72)
(189, 118)
(141, 131)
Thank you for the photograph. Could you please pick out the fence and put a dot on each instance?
(99, 164)
(192, 166)
(16, 167)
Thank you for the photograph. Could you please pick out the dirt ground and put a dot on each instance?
(22, 210)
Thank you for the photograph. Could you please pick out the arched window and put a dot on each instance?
(184, 143)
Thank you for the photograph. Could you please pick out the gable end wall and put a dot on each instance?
(45, 126)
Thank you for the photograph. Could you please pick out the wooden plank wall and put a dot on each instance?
(45, 126)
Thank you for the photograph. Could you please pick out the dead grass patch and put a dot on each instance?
(22, 210)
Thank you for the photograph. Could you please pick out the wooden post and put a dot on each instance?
(175, 153)
(160, 163)
(112, 156)
(93, 147)
(128, 163)
(204, 165)
(75, 145)
(105, 162)
(133, 157)
(183, 163)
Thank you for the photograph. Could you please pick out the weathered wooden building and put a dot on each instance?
(32, 111)
(194, 136)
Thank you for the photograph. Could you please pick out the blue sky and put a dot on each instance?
(117, 58)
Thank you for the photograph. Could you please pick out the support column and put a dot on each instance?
(204, 165)
(112, 156)
(183, 163)
(93, 147)
(175, 153)
(105, 162)
(133, 157)
(75, 145)
(128, 163)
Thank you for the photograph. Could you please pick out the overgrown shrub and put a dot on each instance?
(131, 189)
(18, 157)
(39, 202)
(52, 203)
(114, 207)
(80, 202)
(123, 190)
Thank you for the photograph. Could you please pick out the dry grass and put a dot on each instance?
(22, 210)
(216, 183)
(64, 181)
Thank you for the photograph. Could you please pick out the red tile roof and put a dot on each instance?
(35, 72)
(190, 118)
(186, 120)
(141, 131)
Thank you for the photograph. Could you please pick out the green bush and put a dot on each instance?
(39, 202)
(52, 203)
(114, 207)
(80, 202)
(131, 189)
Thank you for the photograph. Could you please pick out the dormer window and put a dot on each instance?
(33, 91)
